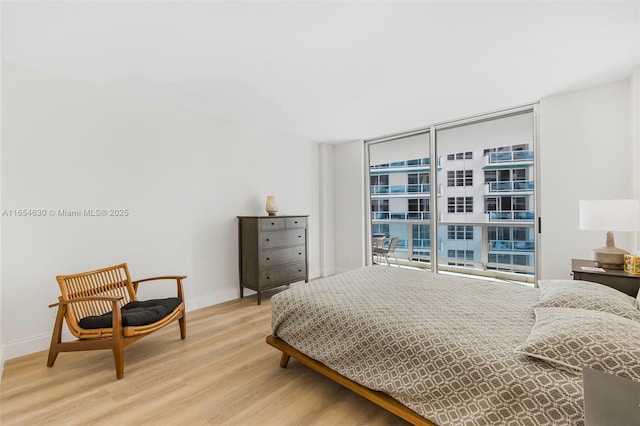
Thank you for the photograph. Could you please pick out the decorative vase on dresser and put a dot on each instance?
(272, 251)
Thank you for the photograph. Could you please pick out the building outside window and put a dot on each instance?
(484, 223)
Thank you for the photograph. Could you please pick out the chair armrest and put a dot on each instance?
(178, 279)
(87, 299)
(166, 277)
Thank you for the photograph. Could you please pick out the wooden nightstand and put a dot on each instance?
(620, 280)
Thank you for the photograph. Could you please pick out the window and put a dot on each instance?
(520, 203)
(380, 229)
(460, 254)
(461, 156)
(460, 232)
(480, 207)
(418, 178)
(499, 232)
(492, 204)
(418, 182)
(379, 205)
(490, 176)
(460, 204)
(380, 180)
(460, 178)
(418, 208)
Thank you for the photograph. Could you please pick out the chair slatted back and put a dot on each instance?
(111, 281)
(393, 244)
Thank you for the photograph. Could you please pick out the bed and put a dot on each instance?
(449, 350)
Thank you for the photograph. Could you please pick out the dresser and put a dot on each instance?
(273, 251)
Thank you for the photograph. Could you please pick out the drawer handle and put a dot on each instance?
(268, 239)
(268, 258)
(268, 277)
(273, 223)
(299, 254)
(299, 236)
(295, 221)
(299, 270)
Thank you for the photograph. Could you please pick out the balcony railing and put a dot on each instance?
(518, 185)
(401, 189)
(511, 215)
(510, 245)
(503, 258)
(400, 215)
(402, 164)
(510, 156)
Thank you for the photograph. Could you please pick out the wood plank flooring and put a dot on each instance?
(222, 374)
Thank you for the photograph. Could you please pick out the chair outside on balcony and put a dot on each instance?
(385, 252)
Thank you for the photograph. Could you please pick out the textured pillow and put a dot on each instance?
(586, 295)
(135, 313)
(577, 338)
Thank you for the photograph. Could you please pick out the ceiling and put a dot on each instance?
(329, 71)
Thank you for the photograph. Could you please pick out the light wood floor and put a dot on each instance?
(222, 374)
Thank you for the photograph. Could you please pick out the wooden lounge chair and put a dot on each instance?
(102, 310)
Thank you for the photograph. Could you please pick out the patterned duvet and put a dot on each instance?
(441, 345)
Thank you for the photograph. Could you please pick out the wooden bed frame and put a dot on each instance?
(378, 398)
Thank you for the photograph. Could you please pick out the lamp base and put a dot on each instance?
(609, 257)
(609, 265)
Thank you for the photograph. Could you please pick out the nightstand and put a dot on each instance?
(610, 400)
(618, 279)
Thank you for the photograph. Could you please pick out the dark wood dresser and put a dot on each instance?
(273, 251)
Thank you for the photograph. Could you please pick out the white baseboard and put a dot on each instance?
(31, 345)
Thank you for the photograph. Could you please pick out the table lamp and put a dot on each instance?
(610, 215)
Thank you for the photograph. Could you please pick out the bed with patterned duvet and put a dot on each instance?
(462, 351)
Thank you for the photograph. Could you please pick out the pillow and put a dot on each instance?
(135, 313)
(586, 295)
(577, 338)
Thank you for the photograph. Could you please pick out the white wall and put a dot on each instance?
(635, 140)
(327, 209)
(585, 153)
(182, 176)
(349, 212)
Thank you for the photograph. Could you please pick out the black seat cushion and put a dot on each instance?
(141, 312)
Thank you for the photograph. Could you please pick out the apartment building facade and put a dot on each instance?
(484, 208)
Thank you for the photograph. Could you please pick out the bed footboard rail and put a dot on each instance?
(379, 398)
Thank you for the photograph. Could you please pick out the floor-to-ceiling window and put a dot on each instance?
(469, 206)
(399, 192)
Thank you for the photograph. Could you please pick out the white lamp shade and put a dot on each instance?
(610, 215)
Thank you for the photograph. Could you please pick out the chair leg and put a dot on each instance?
(118, 356)
(117, 341)
(56, 336)
(183, 326)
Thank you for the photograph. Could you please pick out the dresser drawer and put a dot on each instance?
(272, 223)
(283, 274)
(287, 237)
(296, 222)
(275, 257)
